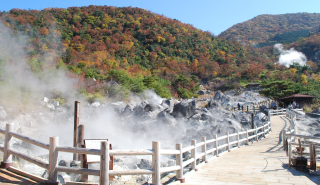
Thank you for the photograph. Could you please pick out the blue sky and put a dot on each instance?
(208, 15)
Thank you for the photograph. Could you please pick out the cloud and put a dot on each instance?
(289, 57)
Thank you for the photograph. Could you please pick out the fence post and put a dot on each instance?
(194, 155)
(252, 121)
(216, 144)
(238, 138)
(7, 158)
(264, 133)
(256, 132)
(104, 163)
(204, 149)
(228, 142)
(247, 135)
(284, 139)
(311, 155)
(156, 163)
(53, 161)
(75, 129)
(179, 161)
(290, 154)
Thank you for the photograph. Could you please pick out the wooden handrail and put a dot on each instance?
(29, 140)
(155, 152)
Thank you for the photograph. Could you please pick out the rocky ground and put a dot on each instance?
(132, 125)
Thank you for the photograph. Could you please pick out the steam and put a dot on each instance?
(291, 56)
(16, 77)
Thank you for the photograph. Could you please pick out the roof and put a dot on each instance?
(253, 84)
(297, 96)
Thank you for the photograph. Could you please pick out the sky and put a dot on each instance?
(208, 15)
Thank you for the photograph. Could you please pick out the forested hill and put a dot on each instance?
(265, 30)
(132, 46)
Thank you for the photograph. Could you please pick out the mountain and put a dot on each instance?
(132, 46)
(265, 30)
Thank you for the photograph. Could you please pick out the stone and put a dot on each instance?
(168, 103)
(201, 92)
(186, 108)
(45, 99)
(95, 104)
(218, 95)
(145, 164)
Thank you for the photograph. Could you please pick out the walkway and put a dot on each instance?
(7, 177)
(262, 162)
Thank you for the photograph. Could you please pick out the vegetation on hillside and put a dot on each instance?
(132, 46)
(265, 30)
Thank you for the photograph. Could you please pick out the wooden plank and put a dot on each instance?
(78, 170)
(78, 150)
(26, 174)
(132, 172)
(30, 159)
(131, 152)
(187, 149)
(169, 169)
(79, 183)
(169, 152)
(29, 140)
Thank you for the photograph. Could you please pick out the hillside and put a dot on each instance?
(132, 46)
(265, 30)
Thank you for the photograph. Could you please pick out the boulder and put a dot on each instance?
(140, 108)
(316, 111)
(201, 92)
(50, 106)
(145, 164)
(164, 116)
(168, 103)
(186, 108)
(150, 108)
(95, 104)
(218, 95)
(212, 103)
(118, 106)
(45, 99)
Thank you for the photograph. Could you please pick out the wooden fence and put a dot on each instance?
(290, 137)
(200, 151)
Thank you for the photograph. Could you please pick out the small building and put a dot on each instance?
(252, 85)
(300, 99)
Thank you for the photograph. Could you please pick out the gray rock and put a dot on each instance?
(201, 92)
(63, 163)
(95, 104)
(118, 106)
(150, 108)
(145, 164)
(168, 103)
(212, 103)
(186, 108)
(218, 95)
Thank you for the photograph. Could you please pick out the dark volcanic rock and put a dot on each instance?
(186, 108)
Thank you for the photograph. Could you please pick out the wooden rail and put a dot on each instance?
(290, 136)
(208, 148)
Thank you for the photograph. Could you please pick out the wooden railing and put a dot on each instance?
(200, 151)
(290, 137)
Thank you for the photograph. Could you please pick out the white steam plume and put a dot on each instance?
(291, 56)
(16, 76)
